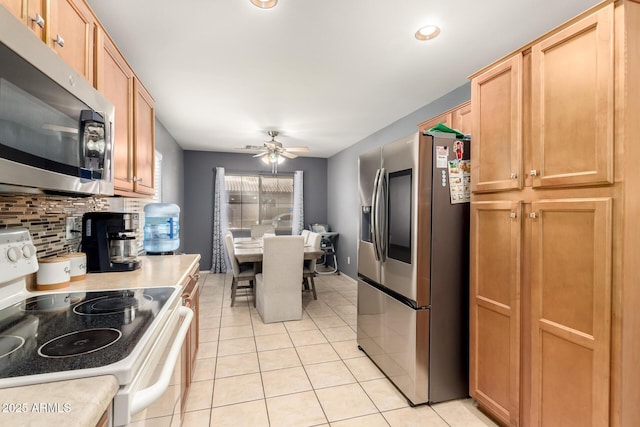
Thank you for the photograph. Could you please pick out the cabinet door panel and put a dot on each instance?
(495, 308)
(572, 104)
(571, 311)
(144, 126)
(462, 118)
(13, 6)
(25, 11)
(445, 119)
(114, 80)
(496, 99)
(72, 21)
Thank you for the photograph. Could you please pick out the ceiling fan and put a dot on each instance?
(273, 152)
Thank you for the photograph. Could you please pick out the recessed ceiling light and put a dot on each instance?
(427, 33)
(264, 4)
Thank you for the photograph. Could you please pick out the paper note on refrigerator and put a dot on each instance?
(442, 156)
(460, 181)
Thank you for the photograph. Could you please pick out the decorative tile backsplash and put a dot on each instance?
(45, 217)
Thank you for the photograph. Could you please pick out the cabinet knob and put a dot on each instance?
(514, 175)
(59, 40)
(136, 179)
(513, 215)
(39, 21)
(533, 215)
(533, 172)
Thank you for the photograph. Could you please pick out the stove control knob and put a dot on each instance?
(14, 254)
(28, 250)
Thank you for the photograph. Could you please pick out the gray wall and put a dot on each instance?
(172, 166)
(199, 170)
(344, 208)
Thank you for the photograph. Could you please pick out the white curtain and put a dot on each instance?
(220, 221)
(297, 219)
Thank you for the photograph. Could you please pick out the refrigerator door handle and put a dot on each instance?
(381, 215)
(374, 215)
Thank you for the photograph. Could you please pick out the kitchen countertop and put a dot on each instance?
(170, 270)
(82, 402)
(72, 403)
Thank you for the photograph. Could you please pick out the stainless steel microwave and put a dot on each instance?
(56, 130)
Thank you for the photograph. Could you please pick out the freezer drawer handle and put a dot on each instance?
(147, 396)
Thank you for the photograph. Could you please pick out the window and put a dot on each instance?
(157, 180)
(257, 199)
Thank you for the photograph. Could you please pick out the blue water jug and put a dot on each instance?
(161, 227)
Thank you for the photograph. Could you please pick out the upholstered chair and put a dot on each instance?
(257, 230)
(309, 270)
(278, 296)
(305, 233)
(241, 272)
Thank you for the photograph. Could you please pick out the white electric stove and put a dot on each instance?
(134, 334)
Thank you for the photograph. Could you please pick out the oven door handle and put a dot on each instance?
(147, 396)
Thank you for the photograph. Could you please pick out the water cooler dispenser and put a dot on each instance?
(161, 228)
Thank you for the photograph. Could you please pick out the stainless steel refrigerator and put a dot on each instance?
(413, 264)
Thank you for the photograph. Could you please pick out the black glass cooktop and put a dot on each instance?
(68, 331)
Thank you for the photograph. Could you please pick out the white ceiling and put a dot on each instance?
(325, 73)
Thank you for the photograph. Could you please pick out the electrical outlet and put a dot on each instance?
(348, 260)
(71, 228)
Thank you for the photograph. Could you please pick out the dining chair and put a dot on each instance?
(241, 272)
(309, 269)
(305, 233)
(257, 230)
(278, 296)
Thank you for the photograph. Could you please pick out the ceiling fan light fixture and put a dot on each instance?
(264, 4)
(270, 158)
(428, 32)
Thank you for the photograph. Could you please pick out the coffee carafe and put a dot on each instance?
(108, 239)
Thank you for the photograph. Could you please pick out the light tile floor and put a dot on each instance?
(295, 374)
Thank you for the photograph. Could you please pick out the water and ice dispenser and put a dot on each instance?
(161, 228)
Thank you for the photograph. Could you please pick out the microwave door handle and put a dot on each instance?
(381, 216)
(143, 398)
(374, 215)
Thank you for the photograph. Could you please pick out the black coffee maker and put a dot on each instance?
(108, 240)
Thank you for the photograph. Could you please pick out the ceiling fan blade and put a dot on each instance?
(288, 155)
(250, 148)
(260, 154)
(271, 145)
(297, 149)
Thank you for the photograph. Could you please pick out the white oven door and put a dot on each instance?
(156, 382)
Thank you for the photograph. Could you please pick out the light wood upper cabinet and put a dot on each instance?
(70, 31)
(571, 249)
(114, 79)
(134, 133)
(494, 347)
(461, 119)
(13, 6)
(458, 118)
(572, 104)
(496, 99)
(143, 139)
(30, 12)
(444, 118)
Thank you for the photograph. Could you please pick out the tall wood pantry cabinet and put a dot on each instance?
(555, 235)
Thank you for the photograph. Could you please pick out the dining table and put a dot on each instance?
(248, 249)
